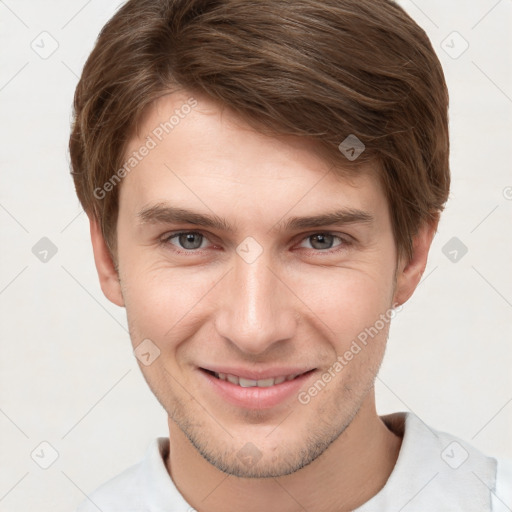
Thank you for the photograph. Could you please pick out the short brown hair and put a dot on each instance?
(323, 69)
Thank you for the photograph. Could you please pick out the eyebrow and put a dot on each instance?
(162, 213)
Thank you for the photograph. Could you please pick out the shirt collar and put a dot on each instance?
(434, 471)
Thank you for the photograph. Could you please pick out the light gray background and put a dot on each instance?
(68, 375)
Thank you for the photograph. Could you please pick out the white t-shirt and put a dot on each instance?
(435, 472)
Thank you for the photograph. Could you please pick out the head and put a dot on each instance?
(263, 183)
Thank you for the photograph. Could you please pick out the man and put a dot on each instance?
(263, 182)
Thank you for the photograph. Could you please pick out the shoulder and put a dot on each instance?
(502, 495)
(119, 493)
(127, 491)
(436, 470)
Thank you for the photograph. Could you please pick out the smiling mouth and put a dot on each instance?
(251, 383)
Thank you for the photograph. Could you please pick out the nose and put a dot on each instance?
(255, 307)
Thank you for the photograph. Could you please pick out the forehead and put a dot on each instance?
(189, 148)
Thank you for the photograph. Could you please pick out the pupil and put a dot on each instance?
(187, 240)
(324, 241)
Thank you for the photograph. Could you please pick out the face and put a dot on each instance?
(250, 267)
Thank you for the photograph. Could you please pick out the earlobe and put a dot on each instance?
(107, 273)
(409, 272)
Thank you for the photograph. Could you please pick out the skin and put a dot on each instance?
(301, 303)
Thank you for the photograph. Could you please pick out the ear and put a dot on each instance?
(108, 276)
(409, 271)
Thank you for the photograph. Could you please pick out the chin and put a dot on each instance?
(253, 456)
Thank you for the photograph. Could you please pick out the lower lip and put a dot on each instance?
(255, 397)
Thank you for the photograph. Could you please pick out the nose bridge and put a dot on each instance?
(258, 308)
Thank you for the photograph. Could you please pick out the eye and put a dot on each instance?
(324, 241)
(188, 240)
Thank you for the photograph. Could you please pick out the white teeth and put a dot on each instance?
(251, 383)
(247, 383)
(233, 379)
(266, 383)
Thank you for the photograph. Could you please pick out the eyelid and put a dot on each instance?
(343, 236)
(171, 234)
(345, 240)
(165, 238)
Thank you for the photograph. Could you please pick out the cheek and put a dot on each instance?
(347, 300)
(164, 304)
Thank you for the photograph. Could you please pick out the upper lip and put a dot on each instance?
(263, 373)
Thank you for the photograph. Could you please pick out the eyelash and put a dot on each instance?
(345, 242)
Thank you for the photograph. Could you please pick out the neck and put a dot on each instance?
(350, 472)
